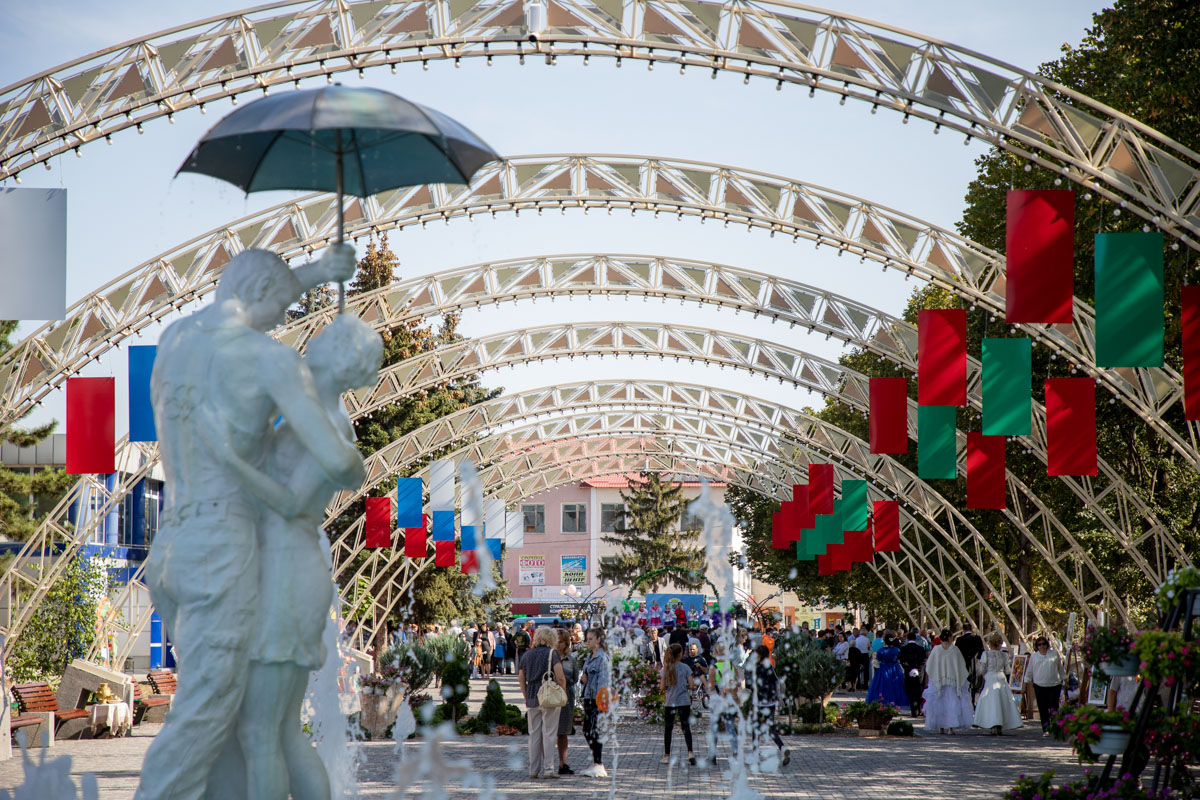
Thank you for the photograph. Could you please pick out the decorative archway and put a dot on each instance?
(183, 68)
(709, 191)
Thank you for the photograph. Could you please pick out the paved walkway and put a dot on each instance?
(922, 768)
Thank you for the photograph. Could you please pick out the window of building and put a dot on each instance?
(574, 518)
(535, 518)
(611, 515)
(690, 522)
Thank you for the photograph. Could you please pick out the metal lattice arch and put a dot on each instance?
(158, 287)
(252, 50)
(820, 311)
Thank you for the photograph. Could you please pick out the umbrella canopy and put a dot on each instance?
(371, 139)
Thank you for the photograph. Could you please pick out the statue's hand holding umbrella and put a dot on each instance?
(356, 141)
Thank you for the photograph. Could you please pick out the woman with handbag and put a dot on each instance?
(566, 717)
(540, 676)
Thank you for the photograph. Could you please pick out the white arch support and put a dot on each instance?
(184, 67)
(127, 304)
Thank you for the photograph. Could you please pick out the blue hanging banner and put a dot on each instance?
(468, 538)
(443, 525)
(495, 546)
(141, 412)
(408, 503)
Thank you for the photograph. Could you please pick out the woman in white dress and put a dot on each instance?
(996, 708)
(948, 696)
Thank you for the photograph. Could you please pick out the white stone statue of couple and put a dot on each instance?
(240, 568)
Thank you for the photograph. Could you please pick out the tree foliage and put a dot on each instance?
(26, 499)
(652, 539)
(1142, 57)
(63, 627)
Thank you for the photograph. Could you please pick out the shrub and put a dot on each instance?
(1042, 786)
(515, 718)
(415, 663)
(492, 710)
(870, 715)
(456, 684)
(900, 727)
(807, 671)
(812, 713)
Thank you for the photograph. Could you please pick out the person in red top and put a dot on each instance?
(680, 616)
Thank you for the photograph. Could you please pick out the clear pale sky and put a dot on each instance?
(125, 208)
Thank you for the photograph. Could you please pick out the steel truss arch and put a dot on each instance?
(726, 420)
(540, 464)
(540, 472)
(153, 290)
(254, 49)
(818, 310)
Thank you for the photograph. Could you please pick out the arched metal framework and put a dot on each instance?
(187, 66)
(153, 290)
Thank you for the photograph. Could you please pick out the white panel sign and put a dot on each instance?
(33, 265)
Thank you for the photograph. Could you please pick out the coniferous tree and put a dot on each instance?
(650, 537)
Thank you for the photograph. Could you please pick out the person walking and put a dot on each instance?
(521, 641)
(652, 648)
(676, 682)
(541, 660)
(766, 697)
(996, 708)
(862, 677)
(597, 676)
(971, 646)
(887, 684)
(912, 659)
(841, 652)
(948, 698)
(566, 716)
(1045, 671)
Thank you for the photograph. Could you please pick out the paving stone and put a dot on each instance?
(836, 767)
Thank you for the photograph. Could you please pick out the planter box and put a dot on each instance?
(870, 732)
(1113, 741)
(1124, 666)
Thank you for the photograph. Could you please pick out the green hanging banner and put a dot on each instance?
(1129, 300)
(936, 457)
(1007, 387)
(835, 532)
(815, 545)
(854, 506)
(802, 553)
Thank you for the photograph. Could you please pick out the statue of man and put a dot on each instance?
(203, 569)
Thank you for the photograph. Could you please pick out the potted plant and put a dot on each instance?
(1167, 658)
(1174, 739)
(1177, 581)
(1109, 652)
(871, 717)
(1092, 731)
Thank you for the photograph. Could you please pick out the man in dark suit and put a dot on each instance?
(970, 644)
(912, 659)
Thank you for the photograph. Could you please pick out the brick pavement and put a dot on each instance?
(836, 767)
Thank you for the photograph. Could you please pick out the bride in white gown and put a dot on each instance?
(996, 708)
(948, 696)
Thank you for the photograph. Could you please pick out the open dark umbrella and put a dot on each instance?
(357, 141)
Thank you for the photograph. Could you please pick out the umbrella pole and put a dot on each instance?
(341, 217)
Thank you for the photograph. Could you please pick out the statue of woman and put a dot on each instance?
(295, 576)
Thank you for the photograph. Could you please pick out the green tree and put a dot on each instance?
(62, 628)
(26, 499)
(653, 538)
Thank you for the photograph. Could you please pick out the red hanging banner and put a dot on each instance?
(1189, 299)
(378, 525)
(470, 562)
(443, 554)
(941, 357)
(888, 417)
(860, 547)
(885, 524)
(414, 539)
(841, 555)
(1040, 252)
(820, 488)
(1071, 426)
(985, 471)
(91, 413)
(779, 538)
(803, 518)
(825, 564)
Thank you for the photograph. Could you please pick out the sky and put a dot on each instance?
(124, 206)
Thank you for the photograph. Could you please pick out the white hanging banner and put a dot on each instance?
(514, 529)
(33, 270)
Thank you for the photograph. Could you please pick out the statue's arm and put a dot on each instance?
(279, 498)
(337, 264)
(290, 384)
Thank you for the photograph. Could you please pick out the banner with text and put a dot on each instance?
(531, 570)
(574, 570)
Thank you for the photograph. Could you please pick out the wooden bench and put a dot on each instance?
(38, 701)
(162, 681)
(31, 721)
(142, 702)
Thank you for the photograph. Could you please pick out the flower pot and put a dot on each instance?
(1113, 741)
(1127, 665)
